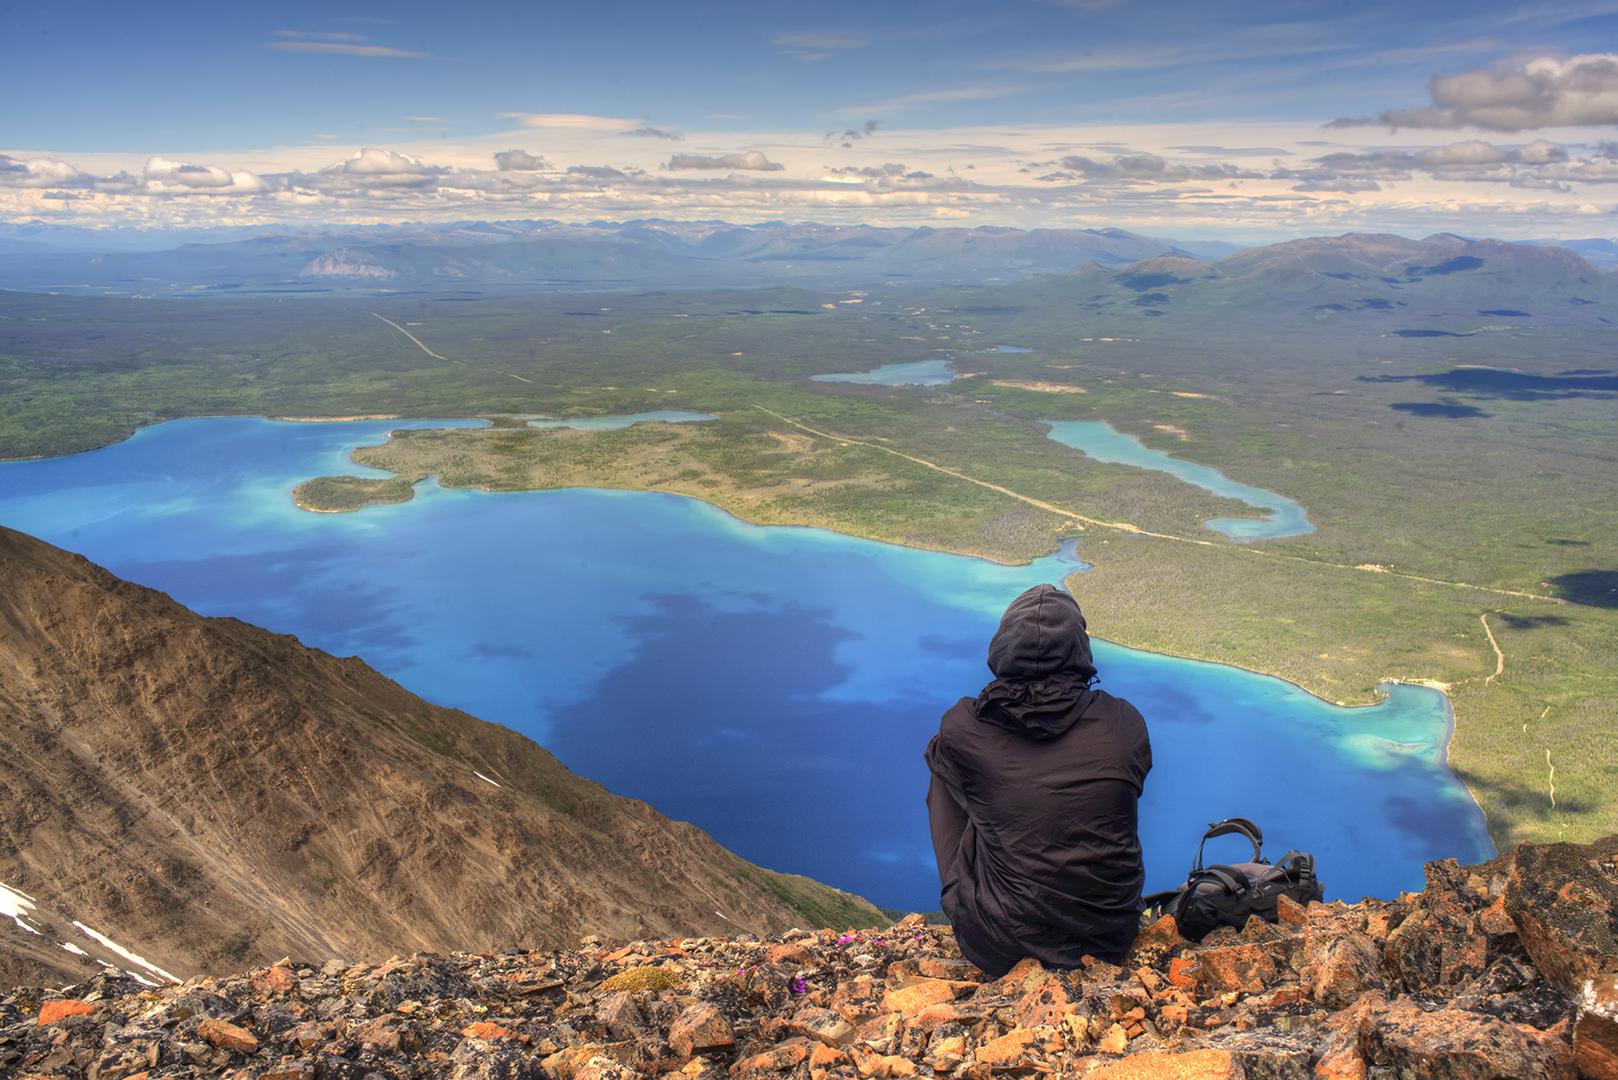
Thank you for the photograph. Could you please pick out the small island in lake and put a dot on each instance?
(344, 494)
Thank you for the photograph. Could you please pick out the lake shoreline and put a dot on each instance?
(597, 621)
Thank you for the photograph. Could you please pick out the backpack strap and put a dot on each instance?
(1241, 825)
(1229, 878)
(1299, 863)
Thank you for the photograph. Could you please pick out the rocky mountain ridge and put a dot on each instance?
(1502, 971)
(209, 795)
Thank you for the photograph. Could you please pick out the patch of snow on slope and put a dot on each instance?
(127, 955)
(14, 904)
(480, 776)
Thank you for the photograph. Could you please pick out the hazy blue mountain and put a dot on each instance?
(1440, 286)
(549, 254)
(1601, 252)
(540, 255)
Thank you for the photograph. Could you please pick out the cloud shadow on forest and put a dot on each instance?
(1588, 588)
(1510, 385)
(1435, 409)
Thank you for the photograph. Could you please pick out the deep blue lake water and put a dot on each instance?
(1101, 441)
(774, 685)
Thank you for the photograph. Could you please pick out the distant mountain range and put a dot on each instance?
(527, 255)
(209, 795)
(1443, 286)
(550, 255)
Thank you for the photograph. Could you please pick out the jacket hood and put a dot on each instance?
(1041, 659)
(1041, 633)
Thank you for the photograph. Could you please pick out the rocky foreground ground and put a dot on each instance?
(1507, 969)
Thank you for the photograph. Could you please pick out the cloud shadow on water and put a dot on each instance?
(1431, 825)
(282, 592)
(717, 717)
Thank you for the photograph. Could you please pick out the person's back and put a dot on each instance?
(1033, 799)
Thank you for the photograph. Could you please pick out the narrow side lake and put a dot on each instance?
(613, 423)
(775, 686)
(919, 373)
(1101, 441)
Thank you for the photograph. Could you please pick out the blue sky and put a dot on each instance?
(1207, 119)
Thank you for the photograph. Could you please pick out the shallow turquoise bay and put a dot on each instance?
(1101, 441)
(774, 685)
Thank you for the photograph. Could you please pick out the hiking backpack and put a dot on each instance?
(1225, 895)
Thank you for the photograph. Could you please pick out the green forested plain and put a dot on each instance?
(1453, 444)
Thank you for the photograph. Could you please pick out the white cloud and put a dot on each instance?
(655, 133)
(601, 173)
(338, 48)
(370, 169)
(165, 177)
(1145, 168)
(1471, 161)
(1477, 174)
(751, 160)
(1590, 172)
(571, 121)
(1471, 152)
(1166, 178)
(1351, 185)
(1544, 92)
(374, 162)
(41, 173)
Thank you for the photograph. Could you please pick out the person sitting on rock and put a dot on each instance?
(1033, 799)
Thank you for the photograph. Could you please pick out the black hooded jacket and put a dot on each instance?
(1048, 771)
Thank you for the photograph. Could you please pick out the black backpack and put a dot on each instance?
(1226, 895)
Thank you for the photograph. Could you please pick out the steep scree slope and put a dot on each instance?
(209, 794)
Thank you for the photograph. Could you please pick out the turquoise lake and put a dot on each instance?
(1101, 441)
(613, 423)
(918, 373)
(775, 686)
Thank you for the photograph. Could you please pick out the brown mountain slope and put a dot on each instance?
(209, 794)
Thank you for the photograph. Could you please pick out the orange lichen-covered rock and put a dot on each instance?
(1244, 968)
(1459, 1043)
(1043, 1004)
(52, 1011)
(918, 995)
